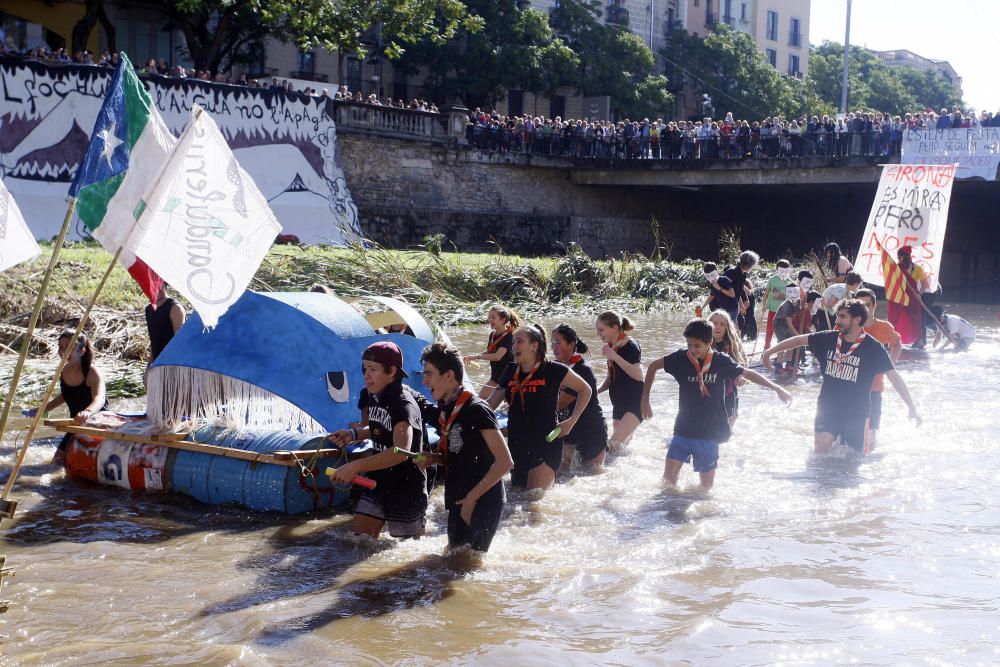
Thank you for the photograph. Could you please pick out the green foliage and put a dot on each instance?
(577, 273)
(514, 49)
(872, 85)
(728, 66)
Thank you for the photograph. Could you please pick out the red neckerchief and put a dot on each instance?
(611, 364)
(445, 425)
(838, 356)
(519, 386)
(701, 369)
(574, 360)
(495, 339)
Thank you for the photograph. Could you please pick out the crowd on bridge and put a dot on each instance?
(860, 133)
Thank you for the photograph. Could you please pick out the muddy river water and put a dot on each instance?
(791, 558)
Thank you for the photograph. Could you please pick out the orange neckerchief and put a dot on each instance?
(574, 360)
(495, 339)
(611, 364)
(463, 397)
(701, 369)
(519, 386)
(838, 356)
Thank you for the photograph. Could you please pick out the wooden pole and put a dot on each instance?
(33, 320)
(55, 379)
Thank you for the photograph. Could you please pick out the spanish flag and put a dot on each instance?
(895, 281)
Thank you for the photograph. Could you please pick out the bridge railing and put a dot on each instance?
(444, 127)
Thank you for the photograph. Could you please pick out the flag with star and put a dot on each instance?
(127, 151)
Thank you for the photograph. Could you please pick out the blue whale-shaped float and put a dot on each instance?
(278, 372)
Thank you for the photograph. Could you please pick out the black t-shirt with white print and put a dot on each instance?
(533, 414)
(393, 405)
(469, 457)
(847, 382)
(702, 417)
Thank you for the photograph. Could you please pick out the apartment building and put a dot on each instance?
(907, 58)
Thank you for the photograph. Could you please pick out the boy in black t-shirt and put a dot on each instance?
(471, 447)
(721, 295)
(391, 418)
(701, 423)
(850, 360)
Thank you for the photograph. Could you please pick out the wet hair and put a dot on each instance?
(568, 333)
(612, 319)
(853, 277)
(832, 252)
(537, 335)
(83, 346)
(507, 314)
(784, 264)
(699, 329)
(730, 343)
(444, 358)
(869, 294)
(812, 295)
(938, 313)
(854, 308)
(710, 267)
(805, 273)
(749, 258)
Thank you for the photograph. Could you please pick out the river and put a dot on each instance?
(791, 558)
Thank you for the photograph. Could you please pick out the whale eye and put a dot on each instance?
(336, 386)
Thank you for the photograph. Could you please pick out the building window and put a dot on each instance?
(793, 66)
(772, 25)
(306, 63)
(709, 14)
(743, 11)
(772, 57)
(795, 34)
(557, 106)
(515, 102)
(727, 12)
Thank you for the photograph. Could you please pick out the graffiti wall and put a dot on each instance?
(286, 142)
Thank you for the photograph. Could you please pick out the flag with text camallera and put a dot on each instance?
(127, 150)
(17, 243)
(206, 226)
(895, 281)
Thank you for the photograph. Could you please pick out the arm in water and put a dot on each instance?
(904, 393)
(654, 368)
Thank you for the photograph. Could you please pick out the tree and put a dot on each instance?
(727, 65)
(612, 62)
(873, 85)
(514, 49)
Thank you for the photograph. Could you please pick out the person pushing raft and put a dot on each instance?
(471, 448)
(849, 359)
(503, 322)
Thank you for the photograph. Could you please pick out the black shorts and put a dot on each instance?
(589, 439)
(401, 506)
(479, 534)
(618, 411)
(853, 430)
(530, 455)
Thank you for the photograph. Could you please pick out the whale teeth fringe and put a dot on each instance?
(176, 394)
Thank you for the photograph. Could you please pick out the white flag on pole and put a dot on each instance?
(206, 227)
(17, 243)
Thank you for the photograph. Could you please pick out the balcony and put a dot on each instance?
(795, 39)
(617, 15)
(729, 20)
(308, 75)
(710, 20)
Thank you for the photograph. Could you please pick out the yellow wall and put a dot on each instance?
(59, 18)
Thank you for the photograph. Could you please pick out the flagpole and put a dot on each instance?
(32, 321)
(51, 389)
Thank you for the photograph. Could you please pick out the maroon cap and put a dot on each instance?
(906, 250)
(386, 353)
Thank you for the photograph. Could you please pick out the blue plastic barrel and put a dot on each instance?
(263, 487)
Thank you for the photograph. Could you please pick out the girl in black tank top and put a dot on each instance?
(503, 322)
(81, 385)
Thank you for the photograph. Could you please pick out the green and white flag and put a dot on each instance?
(17, 243)
(126, 153)
(206, 227)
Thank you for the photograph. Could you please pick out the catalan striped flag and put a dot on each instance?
(895, 281)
